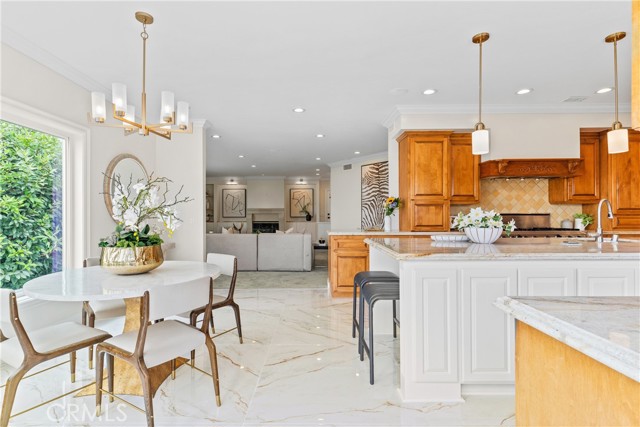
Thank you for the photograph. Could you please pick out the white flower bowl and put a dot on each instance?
(483, 235)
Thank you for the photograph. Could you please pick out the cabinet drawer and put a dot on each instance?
(350, 244)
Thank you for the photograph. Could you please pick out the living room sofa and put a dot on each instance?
(265, 251)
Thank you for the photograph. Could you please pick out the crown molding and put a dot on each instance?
(46, 58)
(414, 110)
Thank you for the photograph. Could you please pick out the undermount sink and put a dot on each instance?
(604, 240)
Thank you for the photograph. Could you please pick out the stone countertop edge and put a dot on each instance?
(383, 233)
(616, 357)
(524, 255)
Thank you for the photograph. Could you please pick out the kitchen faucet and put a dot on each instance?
(609, 215)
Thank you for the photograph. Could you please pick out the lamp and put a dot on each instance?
(617, 137)
(480, 137)
(125, 113)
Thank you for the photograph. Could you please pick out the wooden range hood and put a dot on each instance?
(530, 168)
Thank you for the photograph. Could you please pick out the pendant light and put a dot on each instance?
(617, 137)
(480, 137)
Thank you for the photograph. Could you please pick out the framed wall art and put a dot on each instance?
(374, 180)
(300, 202)
(234, 202)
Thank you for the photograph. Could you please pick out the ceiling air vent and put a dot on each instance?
(347, 167)
(576, 99)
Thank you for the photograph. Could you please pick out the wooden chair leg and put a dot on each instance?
(236, 310)
(173, 368)
(146, 389)
(72, 365)
(213, 328)
(92, 323)
(10, 394)
(213, 358)
(110, 375)
(99, 379)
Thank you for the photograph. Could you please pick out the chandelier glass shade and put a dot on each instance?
(170, 121)
(617, 137)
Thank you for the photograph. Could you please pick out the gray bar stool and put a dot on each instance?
(372, 293)
(359, 281)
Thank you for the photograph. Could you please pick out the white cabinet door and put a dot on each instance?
(600, 282)
(546, 281)
(487, 332)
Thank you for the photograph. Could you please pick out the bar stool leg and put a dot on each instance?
(355, 323)
(361, 326)
(393, 319)
(371, 353)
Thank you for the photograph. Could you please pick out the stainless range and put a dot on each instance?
(537, 225)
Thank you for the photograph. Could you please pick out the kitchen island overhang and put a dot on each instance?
(453, 339)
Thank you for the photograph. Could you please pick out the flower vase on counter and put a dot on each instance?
(483, 227)
(390, 205)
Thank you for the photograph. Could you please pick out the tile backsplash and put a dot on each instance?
(520, 196)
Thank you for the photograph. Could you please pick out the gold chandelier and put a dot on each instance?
(171, 121)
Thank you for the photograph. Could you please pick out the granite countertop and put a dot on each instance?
(424, 248)
(357, 232)
(606, 329)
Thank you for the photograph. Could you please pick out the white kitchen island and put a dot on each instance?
(453, 340)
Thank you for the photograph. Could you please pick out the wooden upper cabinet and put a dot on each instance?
(624, 178)
(424, 180)
(619, 183)
(584, 188)
(464, 171)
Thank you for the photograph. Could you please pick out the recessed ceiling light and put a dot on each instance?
(429, 92)
(524, 91)
(317, 170)
(356, 152)
(604, 90)
(215, 136)
(317, 174)
(241, 156)
(320, 135)
(318, 158)
(253, 166)
(298, 110)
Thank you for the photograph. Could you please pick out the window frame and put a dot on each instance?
(75, 210)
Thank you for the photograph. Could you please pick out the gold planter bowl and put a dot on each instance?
(127, 261)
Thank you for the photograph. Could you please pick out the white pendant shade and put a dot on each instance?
(119, 98)
(168, 106)
(98, 108)
(618, 141)
(480, 141)
(131, 113)
(183, 115)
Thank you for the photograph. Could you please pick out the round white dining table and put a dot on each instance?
(97, 283)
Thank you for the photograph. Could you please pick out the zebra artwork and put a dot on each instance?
(375, 189)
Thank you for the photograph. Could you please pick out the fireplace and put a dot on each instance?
(265, 220)
(265, 226)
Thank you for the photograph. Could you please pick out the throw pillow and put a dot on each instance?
(289, 231)
(279, 232)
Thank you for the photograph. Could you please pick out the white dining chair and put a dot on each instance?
(99, 310)
(26, 347)
(161, 342)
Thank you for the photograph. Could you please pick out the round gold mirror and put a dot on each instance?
(129, 168)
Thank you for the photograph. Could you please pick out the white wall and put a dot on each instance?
(265, 193)
(35, 85)
(182, 159)
(345, 192)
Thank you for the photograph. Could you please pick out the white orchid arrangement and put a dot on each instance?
(482, 219)
(140, 208)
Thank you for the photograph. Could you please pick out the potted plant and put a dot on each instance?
(390, 206)
(305, 211)
(483, 226)
(142, 211)
(581, 221)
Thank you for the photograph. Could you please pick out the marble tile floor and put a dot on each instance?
(298, 366)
